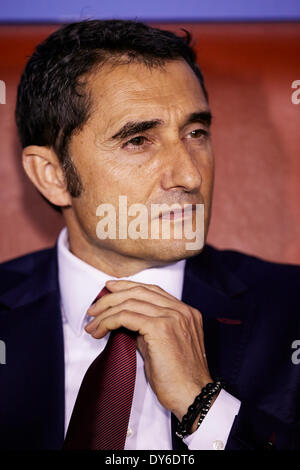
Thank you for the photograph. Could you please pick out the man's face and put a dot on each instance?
(147, 139)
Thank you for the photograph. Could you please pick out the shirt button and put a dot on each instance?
(218, 445)
(129, 432)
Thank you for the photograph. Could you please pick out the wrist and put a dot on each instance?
(186, 398)
(198, 409)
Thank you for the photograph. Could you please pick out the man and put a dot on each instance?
(110, 109)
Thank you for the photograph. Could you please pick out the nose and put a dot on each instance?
(181, 170)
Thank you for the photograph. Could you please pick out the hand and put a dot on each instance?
(170, 339)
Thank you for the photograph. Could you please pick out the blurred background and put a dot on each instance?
(249, 54)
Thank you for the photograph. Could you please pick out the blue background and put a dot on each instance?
(161, 10)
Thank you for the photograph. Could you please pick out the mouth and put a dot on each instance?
(178, 214)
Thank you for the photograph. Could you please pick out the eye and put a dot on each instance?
(199, 133)
(136, 141)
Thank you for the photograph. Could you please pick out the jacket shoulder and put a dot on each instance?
(252, 269)
(18, 269)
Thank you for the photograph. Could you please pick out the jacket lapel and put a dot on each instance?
(32, 331)
(218, 294)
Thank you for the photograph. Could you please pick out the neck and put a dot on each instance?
(104, 258)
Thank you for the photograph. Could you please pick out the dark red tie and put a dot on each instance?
(101, 413)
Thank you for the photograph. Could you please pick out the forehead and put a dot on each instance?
(134, 91)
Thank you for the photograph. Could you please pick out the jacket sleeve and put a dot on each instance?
(253, 429)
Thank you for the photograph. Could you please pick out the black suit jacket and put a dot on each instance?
(251, 317)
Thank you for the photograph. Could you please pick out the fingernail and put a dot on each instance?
(89, 327)
(111, 282)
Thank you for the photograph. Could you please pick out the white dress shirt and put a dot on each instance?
(149, 423)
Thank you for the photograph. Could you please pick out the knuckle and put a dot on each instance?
(123, 313)
(127, 304)
(176, 315)
(187, 310)
(182, 316)
(139, 289)
(195, 312)
(182, 322)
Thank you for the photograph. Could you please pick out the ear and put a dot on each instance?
(44, 170)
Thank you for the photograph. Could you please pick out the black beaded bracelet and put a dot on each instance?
(201, 405)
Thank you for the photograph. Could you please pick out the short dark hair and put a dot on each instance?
(52, 102)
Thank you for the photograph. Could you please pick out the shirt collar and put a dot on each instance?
(80, 282)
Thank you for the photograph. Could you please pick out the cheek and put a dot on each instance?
(104, 186)
(209, 172)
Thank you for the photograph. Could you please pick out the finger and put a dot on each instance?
(138, 292)
(123, 284)
(133, 305)
(130, 320)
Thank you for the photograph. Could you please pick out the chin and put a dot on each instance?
(170, 251)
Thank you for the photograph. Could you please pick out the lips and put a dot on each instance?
(178, 213)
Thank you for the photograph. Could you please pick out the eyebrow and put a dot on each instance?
(204, 117)
(136, 127)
